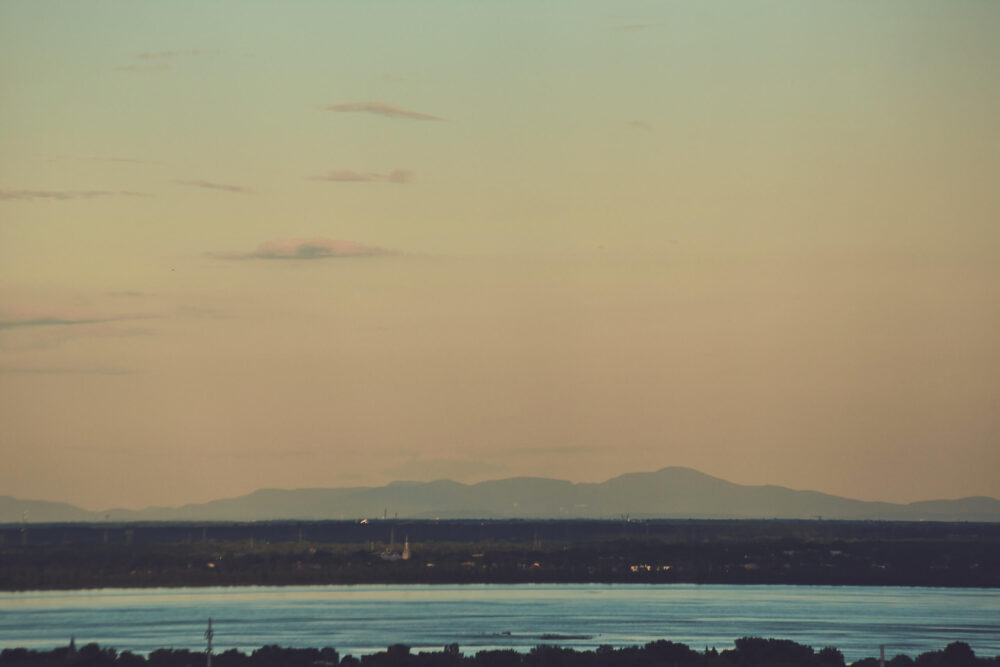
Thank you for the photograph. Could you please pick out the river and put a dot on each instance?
(364, 619)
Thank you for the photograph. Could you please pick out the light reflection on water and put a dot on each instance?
(365, 619)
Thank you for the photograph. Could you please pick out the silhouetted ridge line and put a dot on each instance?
(672, 492)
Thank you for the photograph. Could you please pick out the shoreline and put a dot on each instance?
(501, 584)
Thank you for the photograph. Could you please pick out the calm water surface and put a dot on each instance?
(365, 619)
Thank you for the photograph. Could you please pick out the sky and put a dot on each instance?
(306, 244)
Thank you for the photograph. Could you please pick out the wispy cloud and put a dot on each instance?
(347, 176)
(63, 195)
(50, 322)
(199, 312)
(379, 108)
(143, 68)
(166, 55)
(91, 158)
(425, 470)
(640, 125)
(209, 185)
(160, 60)
(315, 248)
(50, 328)
(115, 159)
(66, 371)
(16, 322)
(545, 451)
(260, 452)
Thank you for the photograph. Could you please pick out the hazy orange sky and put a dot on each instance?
(256, 244)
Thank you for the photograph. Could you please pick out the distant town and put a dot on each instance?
(95, 555)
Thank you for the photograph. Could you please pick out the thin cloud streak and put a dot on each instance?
(306, 249)
(143, 68)
(115, 159)
(67, 371)
(54, 321)
(260, 453)
(400, 176)
(160, 60)
(90, 158)
(430, 469)
(63, 195)
(544, 451)
(380, 109)
(45, 337)
(163, 55)
(197, 312)
(209, 185)
(50, 322)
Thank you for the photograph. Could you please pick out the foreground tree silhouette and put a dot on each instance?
(498, 658)
(829, 657)
(959, 654)
(771, 652)
(748, 652)
(662, 652)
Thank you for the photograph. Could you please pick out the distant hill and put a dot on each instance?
(12, 510)
(668, 493)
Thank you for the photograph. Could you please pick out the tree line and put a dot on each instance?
(746, 652)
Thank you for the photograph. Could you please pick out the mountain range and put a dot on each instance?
(672, 492)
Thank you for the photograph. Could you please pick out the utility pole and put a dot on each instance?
(208, 650)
